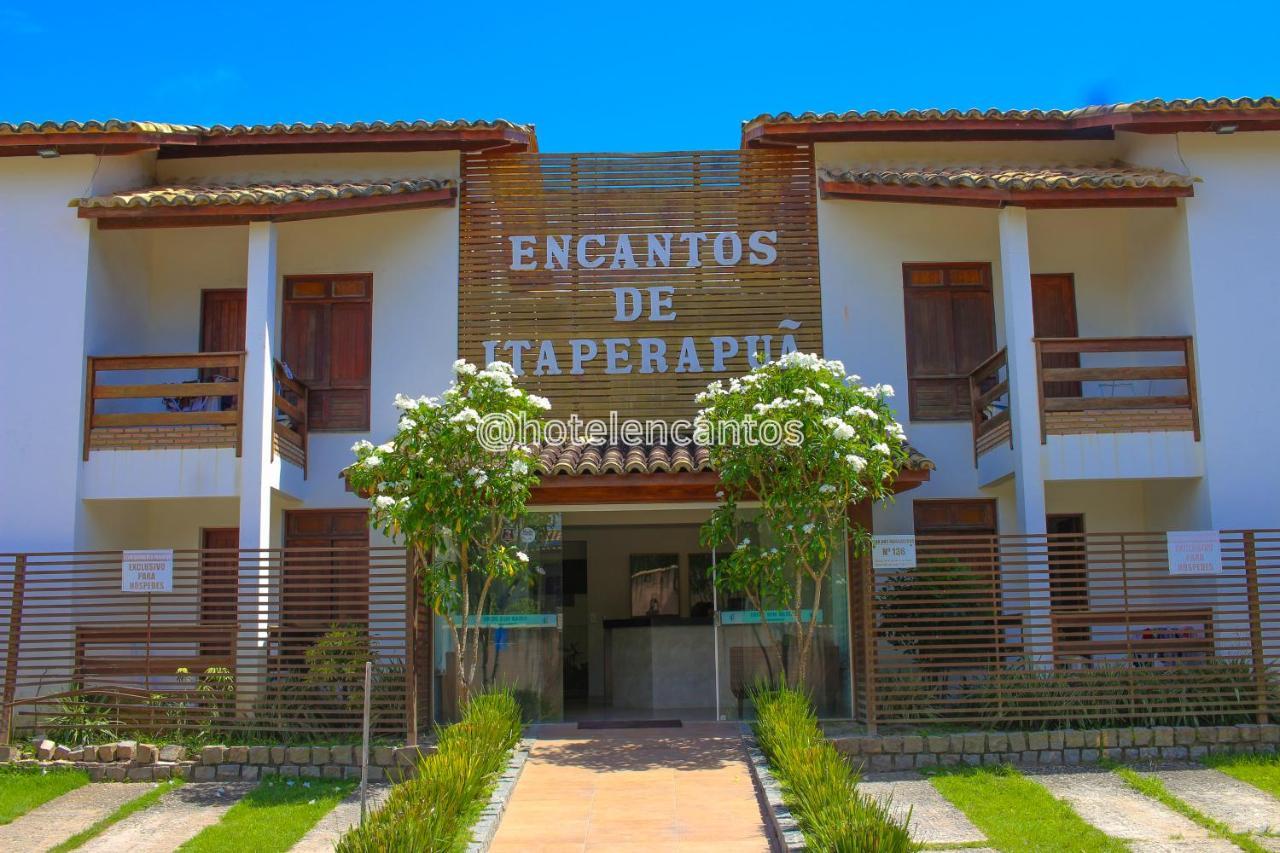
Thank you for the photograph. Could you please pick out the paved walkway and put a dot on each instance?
(54, 822)
(176, 818)
(933, 819)
(686, 789)
(322, 837)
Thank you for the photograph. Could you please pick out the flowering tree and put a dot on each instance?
(434, 486)
(839, 445)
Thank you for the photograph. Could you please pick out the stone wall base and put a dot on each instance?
(1048, 748)
(129, 761)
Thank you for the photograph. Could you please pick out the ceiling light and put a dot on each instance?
(47, 153)
(1226, 128)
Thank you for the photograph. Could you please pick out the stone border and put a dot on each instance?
(784, 830)
(1055, 748)
(143, 762)
(486, 827)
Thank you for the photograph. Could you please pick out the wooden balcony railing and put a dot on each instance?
(989, 404)
(203, 411)
(1093, 385)
(289, 437)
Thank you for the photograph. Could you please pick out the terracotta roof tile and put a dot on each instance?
(277, 129)
(1015, 178)
(1153, 105)
(577, 460)
(283, 192)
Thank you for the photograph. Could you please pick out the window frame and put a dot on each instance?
(961, 412)
(330, 299)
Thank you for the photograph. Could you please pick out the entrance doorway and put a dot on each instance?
(639, 639)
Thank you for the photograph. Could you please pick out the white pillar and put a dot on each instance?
(258, 471)
(1026, 588)
(1024, 397)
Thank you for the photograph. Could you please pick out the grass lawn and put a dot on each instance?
(271, 817)
(22, 789)
(1260, 771)
(1017, 814)
(135, 805)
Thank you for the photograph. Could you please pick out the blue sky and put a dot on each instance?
(596, 76)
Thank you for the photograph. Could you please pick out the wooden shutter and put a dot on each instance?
(219, 582)
(950, 320)
(970, 517)
(1053, 305)
(327, 333)
(330, 586)
(222, 318)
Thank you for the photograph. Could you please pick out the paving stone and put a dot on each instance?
(1104, 800)
(114, 773)
(202, 773)
(319, 755)
(107, 752)
(53, 822)
(228, 772)
(298, 754)
(176, 817)
(277, 754)
(322, 837)
(934, 820)
(172, 752)
(140, 774)
(384, 756)
(343, 755)
(147, 754)
(126, 749)
(213, 754)
(1239, 805)
(62, 753)
(259, 755)
(237, 754)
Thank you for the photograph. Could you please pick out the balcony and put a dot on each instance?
(185, 410)
(1109, 408)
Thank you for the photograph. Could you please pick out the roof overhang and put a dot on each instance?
(997, 198)
(659, 487)
(198, 216)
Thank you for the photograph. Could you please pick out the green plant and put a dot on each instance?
(818, 784)
(24, 788)
(433, 811)
(84, 718)
(1260, 771)
(448, 495)
(334, 669)
(807, 441)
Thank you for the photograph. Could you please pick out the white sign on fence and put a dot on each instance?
(893, 552)
(1194, 552)
(147, 571)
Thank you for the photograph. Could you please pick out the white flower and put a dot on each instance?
(856, 461)
(519, 467)
(540, 402)
(384, 502)
(881, 448)
(522, 556)
(361, 445)
(839, 428)
(404, 403)
(406, 423)
(826, 488)
(467, 414)
(462, 368)
(386, 448)
(373, 460)
(479, 476)
(886, 390)
(807, 528)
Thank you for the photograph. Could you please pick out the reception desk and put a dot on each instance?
(660, 662)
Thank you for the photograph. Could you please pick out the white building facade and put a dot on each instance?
(1077, 310)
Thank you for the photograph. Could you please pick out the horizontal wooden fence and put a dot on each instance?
(1070, 631)
(262, 645)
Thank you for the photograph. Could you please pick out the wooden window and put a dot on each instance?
(951, 329)
(327, 334)
(221, 328)
(960, 517)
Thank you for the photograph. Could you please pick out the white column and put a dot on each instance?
(258, 471)
(1027, 591)
(1024, 397)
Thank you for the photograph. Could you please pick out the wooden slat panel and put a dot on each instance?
(162, 362)
(1074, 404)
(165, 419)
(1087, 374)
(553, 195)
(166, 389)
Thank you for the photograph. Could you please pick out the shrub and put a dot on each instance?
(433, 812)
(818, 784)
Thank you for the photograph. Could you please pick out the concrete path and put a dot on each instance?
(686, 789)
(1104, 800)
(1242, 807)
(176, 818)
(54, 822)
(933, 819)
(325, 834)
